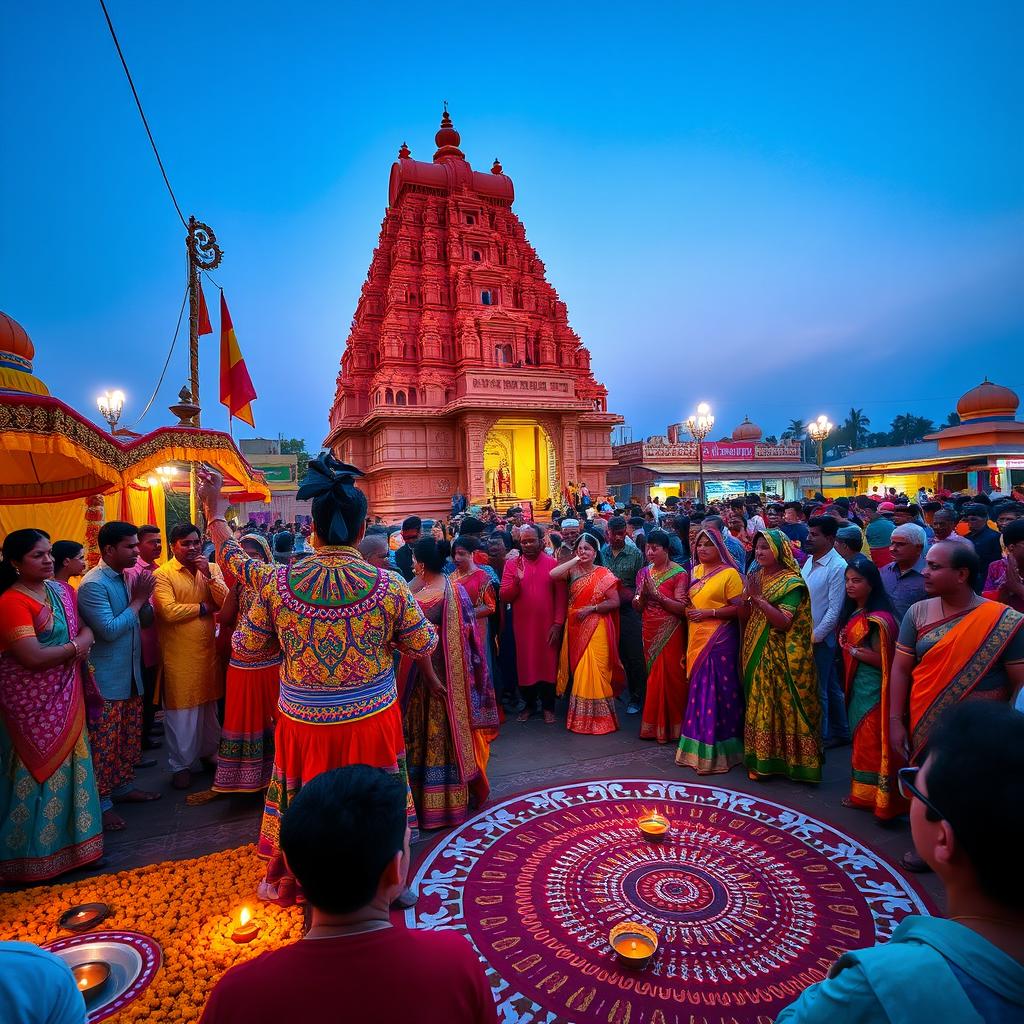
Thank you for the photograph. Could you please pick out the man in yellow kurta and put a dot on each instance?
(189, 589)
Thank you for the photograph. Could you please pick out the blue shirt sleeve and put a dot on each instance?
(846, 997)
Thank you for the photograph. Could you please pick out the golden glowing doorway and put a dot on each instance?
(519, 463)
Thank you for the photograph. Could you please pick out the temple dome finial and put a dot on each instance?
(447, 139)
(496, 167)
(404, 152)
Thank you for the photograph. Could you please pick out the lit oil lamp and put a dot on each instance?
(84, 917)
(89, 976)
(634, 943)
(653, 825)
(247, 929)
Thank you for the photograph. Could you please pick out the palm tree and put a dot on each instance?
(795, 430)
(856, 427)
(909, 429)
(901, 429)
(952, 419)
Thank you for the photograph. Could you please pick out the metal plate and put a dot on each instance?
(134, 961)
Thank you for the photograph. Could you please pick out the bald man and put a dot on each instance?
(375, 550)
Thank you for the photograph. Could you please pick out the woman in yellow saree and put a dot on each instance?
(782, 734)
(590, 648)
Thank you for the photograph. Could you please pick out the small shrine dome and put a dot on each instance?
(16, 355)
(747, 431)
(988, 401)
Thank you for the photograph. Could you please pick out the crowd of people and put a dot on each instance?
(742, 633)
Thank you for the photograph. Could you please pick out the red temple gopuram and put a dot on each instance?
(461, 371)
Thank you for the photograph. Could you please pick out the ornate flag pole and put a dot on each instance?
(203, 254)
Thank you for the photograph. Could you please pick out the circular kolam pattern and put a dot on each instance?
(752, 902)
(136, 959)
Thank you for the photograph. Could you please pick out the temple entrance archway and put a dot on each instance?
(519, 463)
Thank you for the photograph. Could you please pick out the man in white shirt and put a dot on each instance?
(825, 575)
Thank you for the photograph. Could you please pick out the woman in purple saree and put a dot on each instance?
(712, 736)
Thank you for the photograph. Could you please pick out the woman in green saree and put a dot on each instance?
(783, 718)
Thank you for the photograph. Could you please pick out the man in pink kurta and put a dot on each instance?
(538, 616)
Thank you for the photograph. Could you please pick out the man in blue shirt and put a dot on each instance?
(967, 820)
(114, 607)
(623, 558)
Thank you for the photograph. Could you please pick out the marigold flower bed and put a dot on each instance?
(189, 906)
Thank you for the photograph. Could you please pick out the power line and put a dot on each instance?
(142, 113)
(167, 361)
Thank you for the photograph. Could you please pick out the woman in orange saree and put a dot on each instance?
(590, 649)
(867, 638)
(661, 599)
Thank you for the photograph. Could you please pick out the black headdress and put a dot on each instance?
(332, 487)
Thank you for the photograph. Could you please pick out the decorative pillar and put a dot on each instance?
(94, 514)
(474, 433)
(570, 447)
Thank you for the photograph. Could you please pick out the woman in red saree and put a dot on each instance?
(448, 720)
(50, 819)
(867, 638)
(661, 599)
(481, 587)
(590, 649)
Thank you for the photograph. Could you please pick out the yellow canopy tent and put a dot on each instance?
(61, 473)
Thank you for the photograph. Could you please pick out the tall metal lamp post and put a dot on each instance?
(817, 432)
(699, 425)
(111, 405)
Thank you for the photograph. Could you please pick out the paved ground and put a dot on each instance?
(527, 756)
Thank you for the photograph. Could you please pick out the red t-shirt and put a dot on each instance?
(392, 976)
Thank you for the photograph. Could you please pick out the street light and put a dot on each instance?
(699, 425)
(817, 432)
(111, 405)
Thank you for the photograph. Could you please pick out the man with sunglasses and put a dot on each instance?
(967, 820)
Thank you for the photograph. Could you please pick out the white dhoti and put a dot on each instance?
(191, 734)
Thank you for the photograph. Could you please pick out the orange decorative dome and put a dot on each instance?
(14, 338)
(16, 355)
(988, 401)
(747, 431)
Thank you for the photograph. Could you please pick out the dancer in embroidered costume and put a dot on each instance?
(450, 719)
(783, 717)
(661, 599)
(245, 759)
(712, 735)
(590, 649)
(867, 638)
(336, 619)
(50, 820)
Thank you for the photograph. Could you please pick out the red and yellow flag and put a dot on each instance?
(236, 390)
(205, 327)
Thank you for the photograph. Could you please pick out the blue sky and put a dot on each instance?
(782, 209)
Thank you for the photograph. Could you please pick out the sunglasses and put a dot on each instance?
(908, 788)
